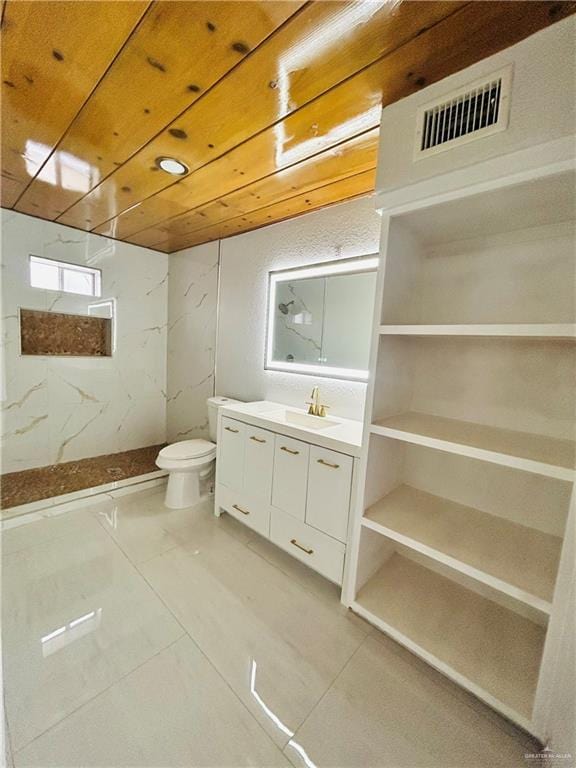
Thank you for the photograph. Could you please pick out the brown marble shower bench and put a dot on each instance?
(57, 479)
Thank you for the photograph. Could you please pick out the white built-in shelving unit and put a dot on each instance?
(466, 502)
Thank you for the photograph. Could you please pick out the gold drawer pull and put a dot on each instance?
(327, 464)
(308, 551)
(232, 430)
(294, 453)
(235, 506)
(257, 439)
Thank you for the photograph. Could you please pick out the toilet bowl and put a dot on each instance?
(188, 461)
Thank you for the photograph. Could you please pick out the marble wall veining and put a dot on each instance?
(176, 342)
(192, 317)
(341, 231)
(56, 409)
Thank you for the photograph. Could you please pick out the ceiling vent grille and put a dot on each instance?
(480, 109)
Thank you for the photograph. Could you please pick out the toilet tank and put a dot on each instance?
(213, 404)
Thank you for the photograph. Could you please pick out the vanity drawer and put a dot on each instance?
(329, 485)
(316, 549)
(230, 457)
(290, 475)
(258, 462)
(253, 512)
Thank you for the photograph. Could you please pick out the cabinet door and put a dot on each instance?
(290, 476)
(252, 512)
(329, 485)
(258, 462)
(230, 455)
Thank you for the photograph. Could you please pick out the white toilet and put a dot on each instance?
(190, 460)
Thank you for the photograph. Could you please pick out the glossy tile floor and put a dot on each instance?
(138, 636)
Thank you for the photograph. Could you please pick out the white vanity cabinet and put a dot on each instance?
(258, 462)
(288, 488)
(329, 487)
(231, 453)
(290, 480)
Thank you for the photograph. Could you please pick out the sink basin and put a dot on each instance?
(309, 421)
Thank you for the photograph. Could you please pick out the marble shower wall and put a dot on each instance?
(192, 316)
(58, 409)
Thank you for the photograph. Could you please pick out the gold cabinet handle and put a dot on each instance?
(327, 464)
(257, 439)
(308, 551)
(244, 512)
(232, 430)
(294, 453)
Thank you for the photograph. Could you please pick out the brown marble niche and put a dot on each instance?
(56, 333)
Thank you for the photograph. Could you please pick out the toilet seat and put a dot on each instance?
(188, 449)
(188, 462)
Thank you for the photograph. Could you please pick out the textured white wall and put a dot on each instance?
(542, 109)
(342, 231)
(57, 409)
(192, 314)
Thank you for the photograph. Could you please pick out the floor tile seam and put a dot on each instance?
(137, 570)
(53, 513)
(44, 542)
(308, 590)
(8, 748)
(220, 673)
(97, 695)
(177, 545)
(326, 692)
(215, 668)
(304, 587)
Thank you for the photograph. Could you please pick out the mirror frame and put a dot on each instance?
(366, 263)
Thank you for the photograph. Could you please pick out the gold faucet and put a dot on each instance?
(316, 408)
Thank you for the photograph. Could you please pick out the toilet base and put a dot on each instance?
(183, 490)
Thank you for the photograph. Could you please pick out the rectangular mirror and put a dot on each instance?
(320, 318)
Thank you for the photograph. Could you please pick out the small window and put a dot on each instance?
(61, 276)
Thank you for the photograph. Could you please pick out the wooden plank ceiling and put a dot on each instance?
(274, 106)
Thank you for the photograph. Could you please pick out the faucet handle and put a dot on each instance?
(322, 410)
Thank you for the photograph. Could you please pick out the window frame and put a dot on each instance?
(63, 267)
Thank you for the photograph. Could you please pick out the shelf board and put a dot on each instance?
(558, 331)
(490, 650)
(520, 450)
(514, 559)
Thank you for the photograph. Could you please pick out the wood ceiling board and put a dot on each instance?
(319, 48)
(179, 51)
(53, 55)
(348, 159)
(431, 56)
(336, 192)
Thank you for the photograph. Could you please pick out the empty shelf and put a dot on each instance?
(482, 645)
(521, 330)
(522, 450)
(498, 549)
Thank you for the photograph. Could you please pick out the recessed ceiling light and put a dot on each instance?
(171, 165)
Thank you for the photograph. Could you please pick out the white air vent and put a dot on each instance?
(477, 110)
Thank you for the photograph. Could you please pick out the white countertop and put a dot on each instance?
(333, 432)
